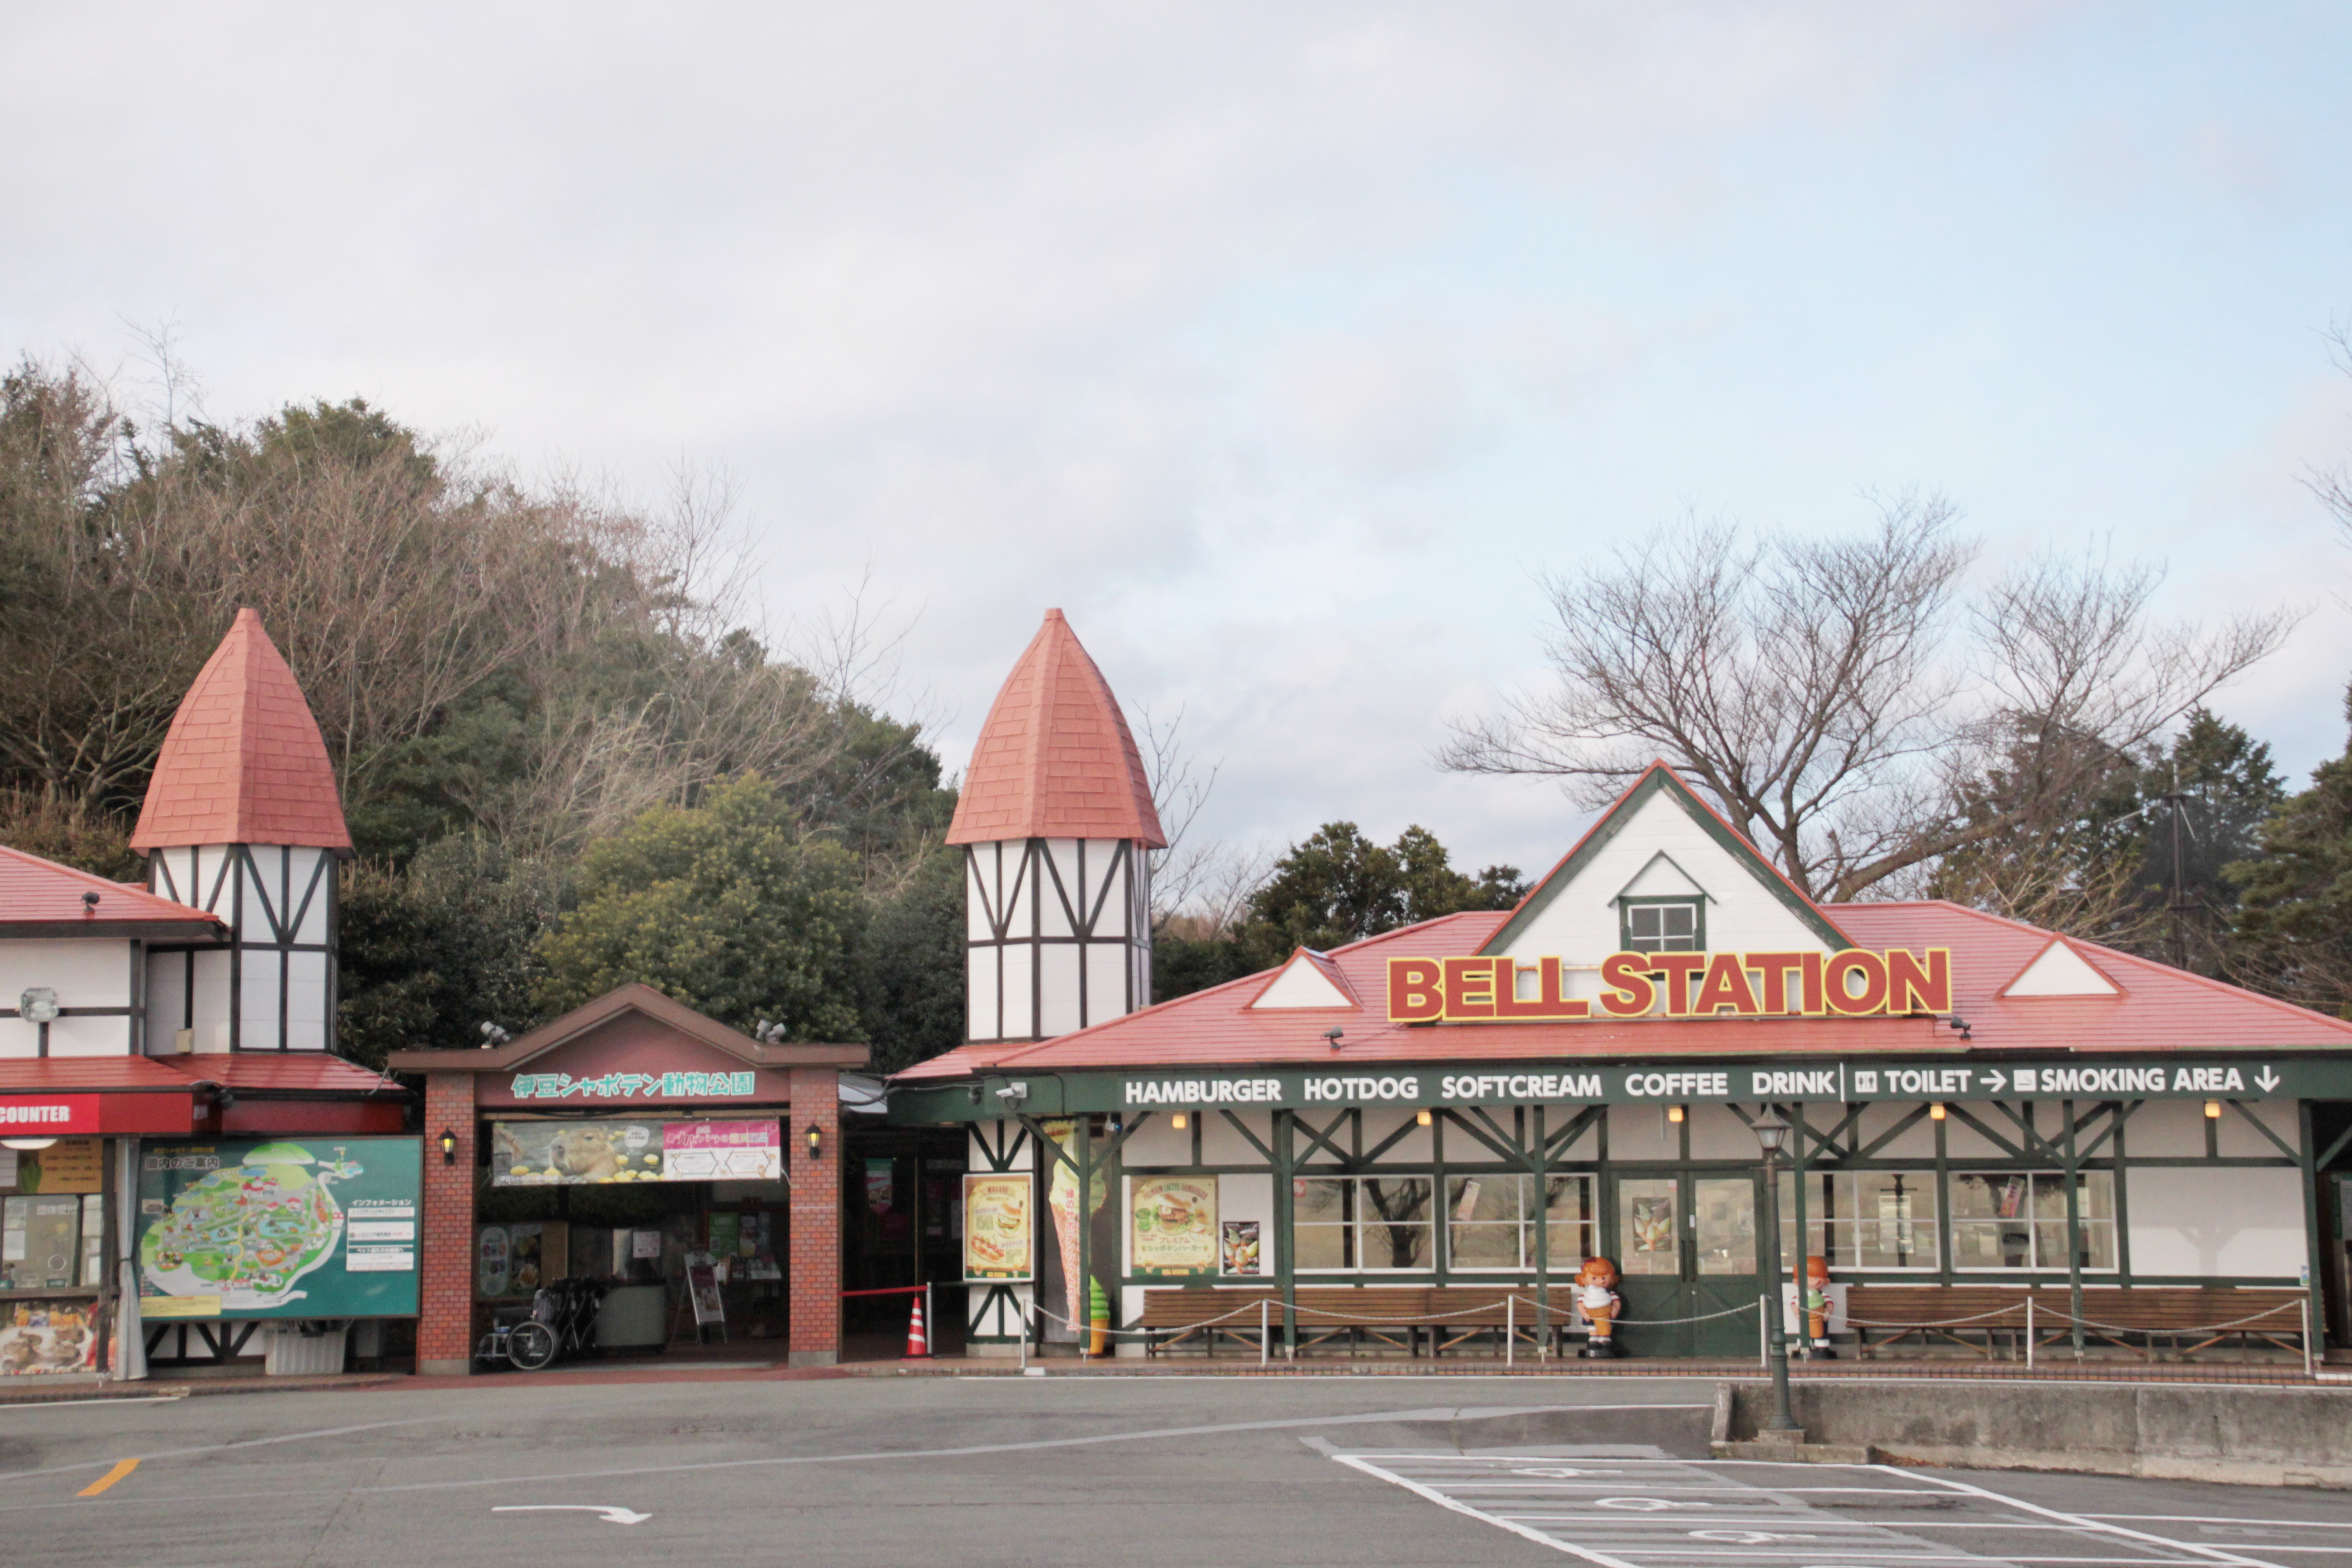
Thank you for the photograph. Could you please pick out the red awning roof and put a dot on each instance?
(87, 1074)
(304, 1071)
(42, 893)
(2161, 1009)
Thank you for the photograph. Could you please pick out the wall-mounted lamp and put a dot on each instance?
(1423, 1117)
(29, 1145)
(1177, 1120)
(1332, 1034)
(1935, 1112)
(448, 1146)
(1674, 1113)
(816, 1141)
(2213, 1110)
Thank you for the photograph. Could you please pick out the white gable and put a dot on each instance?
(2061, 971)
(1303, 983)
(1661, 878)
(1660, 851)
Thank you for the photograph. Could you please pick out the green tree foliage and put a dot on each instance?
(1335, 887)
(490, 663)
(2294, 915)
(729, 907)
(2095, 859)
(914, 964)
(434, 949)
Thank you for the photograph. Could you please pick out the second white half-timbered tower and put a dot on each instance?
(1056, 821)
(243, 820)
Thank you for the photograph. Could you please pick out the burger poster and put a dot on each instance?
(1172, 1225)
(998, 1227)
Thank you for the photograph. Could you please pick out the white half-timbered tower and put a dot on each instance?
(243, 821)
(1056, 821)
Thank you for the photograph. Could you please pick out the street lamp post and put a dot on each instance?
(1771, 1133)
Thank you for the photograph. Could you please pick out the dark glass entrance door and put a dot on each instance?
(1688, 1245)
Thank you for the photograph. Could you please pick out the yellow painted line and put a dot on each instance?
(122, 1467)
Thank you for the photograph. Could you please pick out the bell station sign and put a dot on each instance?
(1849, 983)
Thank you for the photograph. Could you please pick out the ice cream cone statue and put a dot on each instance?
(1815, 1284)
(1596, 1297)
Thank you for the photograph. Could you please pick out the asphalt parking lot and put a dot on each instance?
(1054, 1471)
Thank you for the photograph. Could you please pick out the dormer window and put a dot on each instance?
(1662, 925)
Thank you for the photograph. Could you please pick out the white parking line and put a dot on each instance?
(1716, 1514)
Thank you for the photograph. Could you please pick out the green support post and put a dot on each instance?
(1543, 1232)
(2306, 1155)
(1285, 1252)
(2074, 1285)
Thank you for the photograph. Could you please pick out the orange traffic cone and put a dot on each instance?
(917, 1345)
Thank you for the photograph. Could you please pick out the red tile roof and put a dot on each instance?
(265, 1072)
(2162, 1009)
(1055, 759)
(309, 1071)
(66, 1074)
(244, 763)
(37, 892)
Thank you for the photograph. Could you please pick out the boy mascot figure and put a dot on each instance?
(1596, 1296)
(1816, 1289)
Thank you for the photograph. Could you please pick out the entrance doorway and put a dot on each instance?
(1687, 1249)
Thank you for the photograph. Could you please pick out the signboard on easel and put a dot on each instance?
(702, 1293)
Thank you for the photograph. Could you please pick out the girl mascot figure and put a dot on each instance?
(1816, 1292)
(1596, 1296)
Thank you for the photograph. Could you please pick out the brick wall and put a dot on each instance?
(814, 1270)
(445, 1331)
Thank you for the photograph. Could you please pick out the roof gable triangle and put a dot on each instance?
(1661, 789)
(2059, 970)
(1308, 980)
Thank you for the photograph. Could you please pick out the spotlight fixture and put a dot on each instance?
(493, 1036)
(90, 902)
(1332, 1034)
(1959, 1023)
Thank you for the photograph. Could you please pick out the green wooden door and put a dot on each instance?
(1688, 1250)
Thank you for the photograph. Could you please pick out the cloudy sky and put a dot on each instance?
(1280, 346)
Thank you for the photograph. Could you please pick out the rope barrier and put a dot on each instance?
(2017, 1309)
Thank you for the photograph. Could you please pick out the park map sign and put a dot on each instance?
(288, 1228)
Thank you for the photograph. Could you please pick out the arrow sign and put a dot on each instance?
(1995, 1081)
(2268, 1079)
(612, 1515)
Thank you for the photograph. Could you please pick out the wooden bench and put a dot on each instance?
(1988, 1318)
(1201, 1317)
(1399, 1317)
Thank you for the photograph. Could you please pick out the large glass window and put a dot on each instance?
(1490, 1222)
(2017, 1219)
(1865, 1219)
(1661, 925)
(1369, 1223)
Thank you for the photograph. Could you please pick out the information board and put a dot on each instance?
(998, 1227)
(310, 1228)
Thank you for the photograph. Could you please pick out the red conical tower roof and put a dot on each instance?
(244, 763)
(1055, 759)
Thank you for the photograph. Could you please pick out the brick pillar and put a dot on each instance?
(445, 1330)
(814, 1272)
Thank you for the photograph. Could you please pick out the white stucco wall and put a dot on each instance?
(2216, 1221)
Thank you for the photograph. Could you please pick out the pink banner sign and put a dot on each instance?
(722, 1151)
